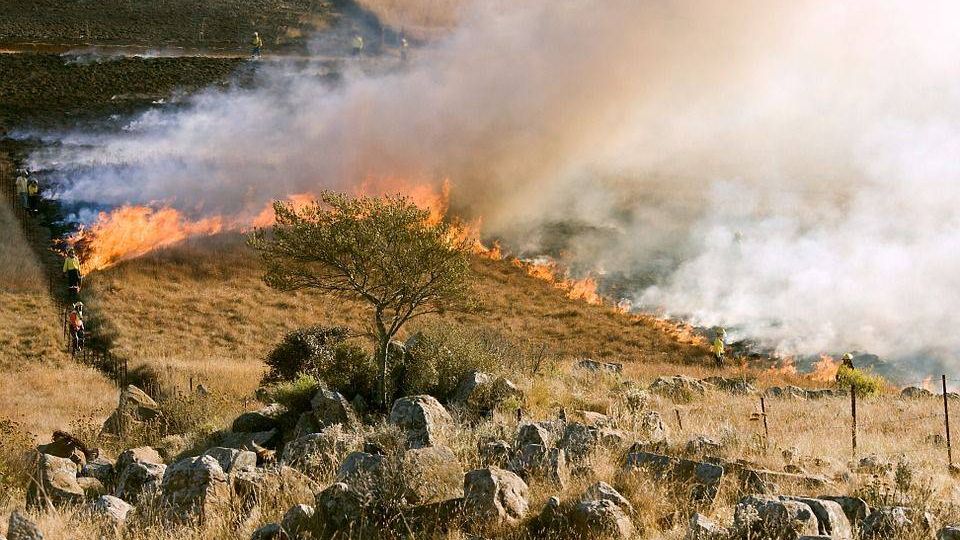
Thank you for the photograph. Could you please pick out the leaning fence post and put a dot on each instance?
(946, 421)
(766, 428)
(853, 413)
(679, 419)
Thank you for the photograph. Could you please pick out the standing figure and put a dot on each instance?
(77, 331)
(256, 45)
(22, 189)
(718, 348)
(33, 195)
(357, 44)
(71, 267)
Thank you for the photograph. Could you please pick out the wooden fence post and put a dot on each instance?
(853, 413)
(766, 428)
(679, 420)
(946, 421)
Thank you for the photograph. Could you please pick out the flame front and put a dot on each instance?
(825, 369)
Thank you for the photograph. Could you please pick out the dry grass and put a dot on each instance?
(428, 14)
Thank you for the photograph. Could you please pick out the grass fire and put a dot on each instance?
(450, 269)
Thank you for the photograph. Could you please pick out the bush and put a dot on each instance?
(295, 395)
(441, 355)
(299, 351)
(865, 384)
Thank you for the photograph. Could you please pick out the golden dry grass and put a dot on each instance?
(429, 14)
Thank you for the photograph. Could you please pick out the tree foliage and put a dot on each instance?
(384, 251)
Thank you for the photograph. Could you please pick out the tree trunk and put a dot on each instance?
(384, 353)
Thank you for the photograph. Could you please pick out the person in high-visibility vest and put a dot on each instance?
(404, 46)
(357, 44)
(257, 44)
(33, 195)
(719, 349)
(846, 363)
(71, 267)
(75, 322)
(22, 189)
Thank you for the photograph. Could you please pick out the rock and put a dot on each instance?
(757, 479)
(874, 464)
(895, 522)
(135, 406)
(139, 472)
(264, 419)
(950, 532)
(111, 507)
(495, 453)
(579, 441)
(592, 418)
(298, 521)
(482, 392)
(679, 387)
(601, 519)
(251, 487)
(494, 497)
(100, 468)
(202, 390)
(600, 367)
(270, 531)
(317, 454)
(306, 424)
(54, 483)
(361, 469)
(422, 418)
(702, 528)
(793, 392)
(231, 459)
(704, 477)
(774, 519)
(651, 430)
(330, 407)
(67, 446)
(702, 445)
(736, 386)
(535, 462)
(339, 508)
(20, 527)
(822, 393)
(171, 446)
(912, 392)
(855, 508)
(255, 442)
(635, 399)
(602, 491)
(831, 519)
(92, 488)
(552, 522)
(535, 433)
(196, 485)
(431, 475)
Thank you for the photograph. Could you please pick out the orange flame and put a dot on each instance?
(131, 231)
(825, 369)
(927, 383)
(267, 217)
(546, 269)
(787, 367)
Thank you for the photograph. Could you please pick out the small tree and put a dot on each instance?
(384, 251)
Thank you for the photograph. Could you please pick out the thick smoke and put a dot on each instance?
(790, 168)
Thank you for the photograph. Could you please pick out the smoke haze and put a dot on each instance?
(787, 168)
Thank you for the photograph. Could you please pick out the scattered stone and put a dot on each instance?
(855, 508)
(535, 433)
(54, 483)
(831, 519)
(361, 469)
(317, 454)
(794, 392)
(705, 477)
(20, 527)
(270, 531)
(92, 488)
(950, 532)
(494, 497)
(774, 519)
(134, 407)
(536, 462)
(601, 519)
(702, 528)
(139, 472)
(231, 459)
(431, 475)
(100, 468)
(196, 485)
(423, 418)
(732, 385)
(602, 491)
(495, 453)
(298, 521)
(895, 522)
(701, 445)
(67, 446)
(111, 507)
(255, 442)
(338, 508)
(679, 387)
(264, 419)
(330, 407)
(579, 441)
(874, 464)
(482, 392)
(600, 367)
(912, 392)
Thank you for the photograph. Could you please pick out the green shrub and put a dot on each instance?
(864, 383)
(300, 350)
(295, 395)
(441, 355)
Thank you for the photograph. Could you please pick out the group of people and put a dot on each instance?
(357, 46)
(28, 191)
(71, 270)
(719, 350)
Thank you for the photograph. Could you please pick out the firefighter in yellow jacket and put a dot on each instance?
(256, 45)
(718, 347)
(71, 267)
(21, 184)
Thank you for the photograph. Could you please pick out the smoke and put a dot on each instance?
(789, 168)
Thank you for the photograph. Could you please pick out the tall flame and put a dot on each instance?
(825, 369)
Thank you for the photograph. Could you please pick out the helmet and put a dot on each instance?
(78, 306)
(721, 331)
(847, 356)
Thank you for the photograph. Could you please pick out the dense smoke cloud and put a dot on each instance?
(790, 168)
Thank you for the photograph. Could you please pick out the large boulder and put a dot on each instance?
(534, 462)
(774, 519)
(495, 453)
(263, 419)
(700, 480)
(896, 522)
(601, 519)
(260, 486)
(431, 475)
(423, 418)
(110, 507)
(196, 486)
(483, 392)
(831, 519)
(54, 482)
(855, 508)
(361, 469)
(493, 497)
(579, 441)
(702, 528)
(678, 387)
(21, 527)
(100, 468)
(602, 491)
(134, 407)
(950, 532)
(595, 366)
(67, 446)
(298, 521)
(139, 472)
(330, 407)
(231, 459)
(535, 433)
(317, 454)
(339, 510)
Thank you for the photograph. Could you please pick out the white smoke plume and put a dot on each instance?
(790, 168)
